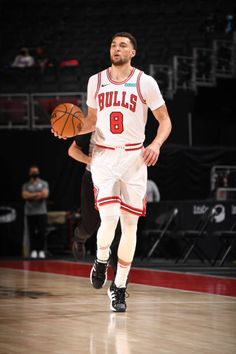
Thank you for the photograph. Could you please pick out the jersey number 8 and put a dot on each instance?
(116, 122)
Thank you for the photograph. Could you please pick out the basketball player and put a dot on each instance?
(81, 151)
(118, 100)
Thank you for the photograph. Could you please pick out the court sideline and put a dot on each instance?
(50, 307)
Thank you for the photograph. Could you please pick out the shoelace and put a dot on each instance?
(126, 292)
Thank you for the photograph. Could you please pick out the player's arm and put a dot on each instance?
(91, 119)
(89, 122)
(76, 153)
(152, 151)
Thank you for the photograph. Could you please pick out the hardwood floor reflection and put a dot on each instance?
(52, 313)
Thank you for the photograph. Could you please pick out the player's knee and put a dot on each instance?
(129, 218)
(106, 231)
(129, 224)
(109, 222)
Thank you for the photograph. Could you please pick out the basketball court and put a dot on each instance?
(50, 307)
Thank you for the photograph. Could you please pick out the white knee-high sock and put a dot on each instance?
(126, 248)
(105, 236)
(122, 275)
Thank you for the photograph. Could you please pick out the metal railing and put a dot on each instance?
(33, 111)
(14, 111)
(201, 69)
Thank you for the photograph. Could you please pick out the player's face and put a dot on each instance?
(121, 51)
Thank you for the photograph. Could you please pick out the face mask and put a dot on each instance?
(34, 175)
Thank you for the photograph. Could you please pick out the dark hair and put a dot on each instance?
(24, 51)
(33, 165)
(127, 35)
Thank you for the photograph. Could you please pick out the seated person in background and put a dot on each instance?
(41, 59)
(153, 194)
(24, 59)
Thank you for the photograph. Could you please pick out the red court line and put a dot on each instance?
(174, 280)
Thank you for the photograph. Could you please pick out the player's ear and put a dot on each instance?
(133, 53)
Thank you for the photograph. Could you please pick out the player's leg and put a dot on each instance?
(89, 218)
(114, 249)
(109, 215)
(126, 251)
(133, 190)
(127, 246)
(107, 196)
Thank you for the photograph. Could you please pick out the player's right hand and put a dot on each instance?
(58, 136)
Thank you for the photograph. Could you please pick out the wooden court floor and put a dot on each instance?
(42, 312)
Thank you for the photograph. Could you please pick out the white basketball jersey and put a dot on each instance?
(122, 106)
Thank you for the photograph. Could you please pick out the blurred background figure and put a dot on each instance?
(153, 194)
(229, 23)
(35, 193)
(42, 60)
(23, 59)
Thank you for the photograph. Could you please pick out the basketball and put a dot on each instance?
(67, 120)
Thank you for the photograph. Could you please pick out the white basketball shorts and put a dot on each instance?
(120, 179)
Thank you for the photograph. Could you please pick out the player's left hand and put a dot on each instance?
(150, 155)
